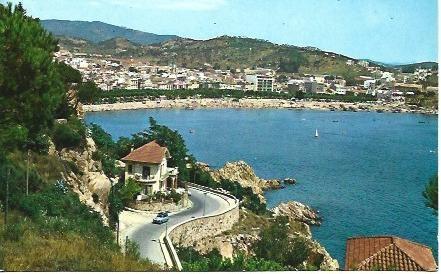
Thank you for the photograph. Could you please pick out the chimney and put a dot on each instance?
(131, 149)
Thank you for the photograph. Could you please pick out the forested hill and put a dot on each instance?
(224, 52)
(96, 31)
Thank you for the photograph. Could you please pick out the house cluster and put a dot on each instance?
(110, 73)
(384, 85)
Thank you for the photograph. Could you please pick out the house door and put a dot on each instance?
(145, 172)
(148, 190)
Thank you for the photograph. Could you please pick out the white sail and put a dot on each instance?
(316, 133)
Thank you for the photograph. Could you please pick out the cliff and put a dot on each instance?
(85, 177)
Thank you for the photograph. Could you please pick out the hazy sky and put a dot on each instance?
(395, 31)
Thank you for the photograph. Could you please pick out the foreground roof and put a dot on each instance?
(387, 253)
(150, 153)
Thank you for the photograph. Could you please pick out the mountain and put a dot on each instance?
(412, 67)
(98, 31)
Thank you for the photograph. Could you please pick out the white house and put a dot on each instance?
(148, 166)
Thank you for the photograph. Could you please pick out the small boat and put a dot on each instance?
(335, 121)
(191, 130)
(316, 133)
(421, 122)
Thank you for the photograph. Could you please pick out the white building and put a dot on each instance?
(148, 166)
(260, 82)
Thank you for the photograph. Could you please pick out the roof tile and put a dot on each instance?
(387, 253)
(150, 153)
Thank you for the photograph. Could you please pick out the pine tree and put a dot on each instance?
(30, 85)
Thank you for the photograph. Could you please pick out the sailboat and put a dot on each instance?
(316, 133)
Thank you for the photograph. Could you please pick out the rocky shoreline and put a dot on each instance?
(301, 214)
(395, 107)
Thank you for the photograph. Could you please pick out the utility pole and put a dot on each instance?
(27, 173)
(117, 230)
(7, 196)
(205, 198)
(125, 246)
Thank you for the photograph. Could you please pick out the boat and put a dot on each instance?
(316, 133)
(191, 130)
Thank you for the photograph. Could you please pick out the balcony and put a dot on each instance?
(145, 179)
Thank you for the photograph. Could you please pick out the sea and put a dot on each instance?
(364, 173)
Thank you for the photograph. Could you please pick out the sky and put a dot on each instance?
(391, 31)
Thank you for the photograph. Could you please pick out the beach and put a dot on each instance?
(259, 103)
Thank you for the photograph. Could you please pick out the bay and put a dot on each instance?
(364, 173)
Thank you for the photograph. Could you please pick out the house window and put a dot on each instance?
(130, 169)
(145, 172)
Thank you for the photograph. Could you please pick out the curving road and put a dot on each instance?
(147, 234)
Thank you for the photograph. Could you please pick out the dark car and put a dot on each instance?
(161, 218)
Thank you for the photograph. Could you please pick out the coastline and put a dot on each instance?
(258, 104)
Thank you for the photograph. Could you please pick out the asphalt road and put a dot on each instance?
(147, 235)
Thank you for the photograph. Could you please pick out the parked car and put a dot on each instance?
(161, 218)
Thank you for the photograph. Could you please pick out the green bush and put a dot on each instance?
(129, 191)
(213, 261)
(69, 135)
(14, 232)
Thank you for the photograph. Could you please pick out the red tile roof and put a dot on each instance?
(151, 153)
(387, 253)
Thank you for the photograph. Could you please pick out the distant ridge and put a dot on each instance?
(222, 52)
(97, 31)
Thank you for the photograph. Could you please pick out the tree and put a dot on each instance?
(88, 92)
(431, 193)
(30, 84)
(68, 74)
(293, 63)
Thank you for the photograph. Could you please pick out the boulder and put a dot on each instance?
(242, 173)
(298, 211)
(289, 181)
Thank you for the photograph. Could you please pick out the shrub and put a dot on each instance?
(14, 232)
(192, 260)
(132, 249)
(69, 135)
(128, 191)
(176, 197)
(66, 137)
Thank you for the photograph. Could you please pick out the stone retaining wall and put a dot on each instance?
(190, 232)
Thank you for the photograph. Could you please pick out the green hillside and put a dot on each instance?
(223, 52)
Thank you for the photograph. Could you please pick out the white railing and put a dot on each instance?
(173, 259)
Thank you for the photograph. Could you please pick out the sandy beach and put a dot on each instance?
(258, 103)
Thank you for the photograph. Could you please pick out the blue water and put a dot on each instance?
(365, 173)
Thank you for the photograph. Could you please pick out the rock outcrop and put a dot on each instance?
(87, 180)
(319, 253)
(298, 211)
(242, 173)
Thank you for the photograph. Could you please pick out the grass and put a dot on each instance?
(24, 248)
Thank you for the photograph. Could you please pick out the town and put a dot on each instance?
(125, 74)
